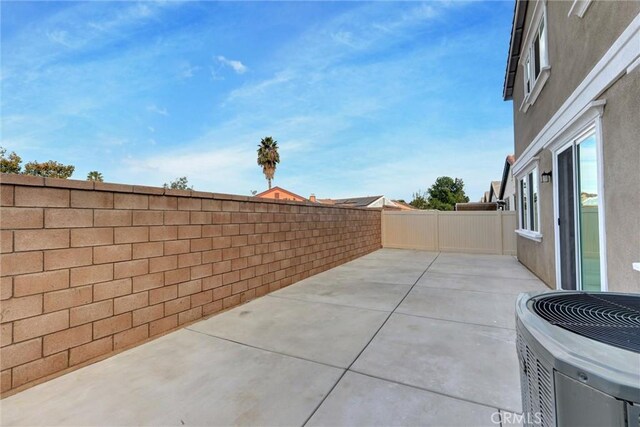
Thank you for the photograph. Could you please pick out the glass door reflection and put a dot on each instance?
(588, 208)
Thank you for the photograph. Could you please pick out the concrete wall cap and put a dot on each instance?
(29, 180)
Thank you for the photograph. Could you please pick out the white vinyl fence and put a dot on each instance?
(491, 232)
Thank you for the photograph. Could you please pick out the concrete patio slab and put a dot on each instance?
(320, 332)
(360, 400)
(393, 274)
(509, 271)
(480, 283)
(480, 308)
(476, 259)
(513, 420)
(401, 255)
(471, 362)
(394, 266)
(394, 261)
(246, 367)
(341, 291)
(184, 378)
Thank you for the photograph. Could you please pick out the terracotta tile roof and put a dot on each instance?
(403, 205)
(276, 188)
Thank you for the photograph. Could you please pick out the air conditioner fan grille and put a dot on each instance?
(608, 318)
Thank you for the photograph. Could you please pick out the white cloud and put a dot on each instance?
(187, 70)
(236, 65)
(59, 37)
(344, 37)
(222, 169)
(215, 73)
(110, 140)
(260, 87)
(155, 109)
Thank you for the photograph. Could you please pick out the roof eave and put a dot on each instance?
(505, 176)
(515, 42)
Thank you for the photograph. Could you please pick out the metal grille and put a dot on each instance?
(537, 387)
(608, 318)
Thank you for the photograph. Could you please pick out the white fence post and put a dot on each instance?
(438, 231)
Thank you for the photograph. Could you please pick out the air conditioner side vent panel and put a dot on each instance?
(537, 386)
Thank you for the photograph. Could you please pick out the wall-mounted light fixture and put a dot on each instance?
(545, 177)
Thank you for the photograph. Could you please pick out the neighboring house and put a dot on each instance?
(280, 194)
(507, 193)
(494, 191)
(362, 202)
(403, 206)
(485, 197)
(574, 77)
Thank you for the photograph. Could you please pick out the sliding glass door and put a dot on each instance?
(579, 205)
(566, 220)
(589, 206)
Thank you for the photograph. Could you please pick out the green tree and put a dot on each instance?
(49, 169)
(445, 193)
(181, 183)
(10, 164)
(95, 176)
(268, 157)
(419, 200)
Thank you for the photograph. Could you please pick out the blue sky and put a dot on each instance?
(363, 98)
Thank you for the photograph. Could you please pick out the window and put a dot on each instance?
(529, 203)
(535, 60)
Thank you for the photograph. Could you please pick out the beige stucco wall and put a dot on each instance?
(621, 147)
(621, 136)
(575, 46)
(539, 257)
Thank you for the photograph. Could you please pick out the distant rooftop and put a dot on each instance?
(359, 202)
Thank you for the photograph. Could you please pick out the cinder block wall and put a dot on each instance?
(88, 269)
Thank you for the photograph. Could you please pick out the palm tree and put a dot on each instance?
(268, 157)
(95, 176)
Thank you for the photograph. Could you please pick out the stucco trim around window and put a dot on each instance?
(583, 120)
(579, 8)
(530, 99)
(534, 59)
(528, 202)
(539, 13)
(526, 167)
(613, 65)
(531, 235)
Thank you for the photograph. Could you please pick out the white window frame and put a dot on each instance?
(527, 230)
(533, 84)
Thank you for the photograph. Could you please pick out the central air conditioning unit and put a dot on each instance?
(579, 358)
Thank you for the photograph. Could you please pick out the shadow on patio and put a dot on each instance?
(397, 337)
